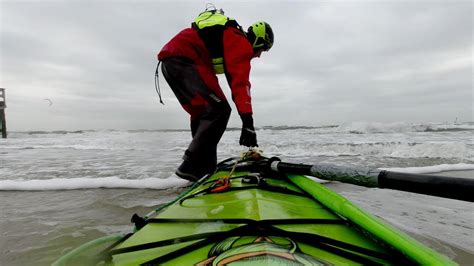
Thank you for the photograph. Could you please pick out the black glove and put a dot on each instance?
(248, 137)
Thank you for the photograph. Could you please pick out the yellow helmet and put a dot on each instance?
(260, 35)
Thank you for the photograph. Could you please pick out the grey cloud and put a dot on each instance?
(332, 62)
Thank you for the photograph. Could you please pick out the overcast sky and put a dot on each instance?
(332, 62)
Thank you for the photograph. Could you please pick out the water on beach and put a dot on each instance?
(61, 189)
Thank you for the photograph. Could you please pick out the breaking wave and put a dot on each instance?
(160, 184)
(393, 149)
(354, 128)
(433, 169)
(402, 127)
(91, 183)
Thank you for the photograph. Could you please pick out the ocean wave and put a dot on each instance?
(56, 146)
(156, 130)
(401, 127)
(57, 132)
(393, 149)
(376, 128)
(170, 182)
(90, 183)
(65, 132)
(447, 129)
(297, 127)
(352, 128)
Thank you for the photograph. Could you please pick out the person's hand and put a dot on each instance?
(248, 137)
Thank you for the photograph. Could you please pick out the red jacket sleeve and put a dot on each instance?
(238, 53)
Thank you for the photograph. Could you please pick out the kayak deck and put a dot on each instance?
(281, 223)
(263, 218)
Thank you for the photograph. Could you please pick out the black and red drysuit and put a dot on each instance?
(187, 67)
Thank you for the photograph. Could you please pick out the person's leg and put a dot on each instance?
(208, 133)
(209, 116)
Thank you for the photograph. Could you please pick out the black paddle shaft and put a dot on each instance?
(441, 186)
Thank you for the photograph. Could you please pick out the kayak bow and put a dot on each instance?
(260, 217)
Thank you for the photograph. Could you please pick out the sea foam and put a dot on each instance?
(91, 183)
(433, 169)
(170, 182)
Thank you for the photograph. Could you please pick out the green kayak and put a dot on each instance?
(243, 215)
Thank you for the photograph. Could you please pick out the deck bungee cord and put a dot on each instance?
(265, 227)
(224, 183)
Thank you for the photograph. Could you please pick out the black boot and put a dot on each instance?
(188, 171)
(193, 170)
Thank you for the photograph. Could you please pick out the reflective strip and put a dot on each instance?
(274, 166)
(215, 98)
(218, 65)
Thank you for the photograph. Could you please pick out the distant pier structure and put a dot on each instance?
(3, 105)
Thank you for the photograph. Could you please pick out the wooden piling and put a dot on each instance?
(3, 121)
